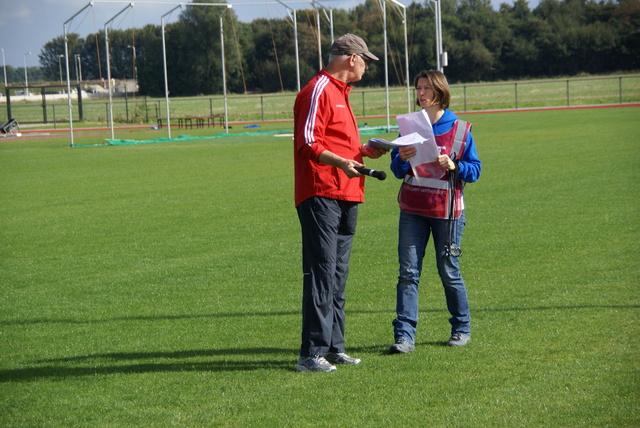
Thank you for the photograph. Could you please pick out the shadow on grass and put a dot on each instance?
(71, 321)
(59, 372)
(383, 350)
(118, 363)
(145, 318)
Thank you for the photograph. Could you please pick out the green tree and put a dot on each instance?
(50, 60)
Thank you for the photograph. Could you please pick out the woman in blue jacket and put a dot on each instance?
(432, 203)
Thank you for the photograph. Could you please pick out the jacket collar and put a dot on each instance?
(343, 86)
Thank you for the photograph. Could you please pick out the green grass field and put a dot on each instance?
(160, 285)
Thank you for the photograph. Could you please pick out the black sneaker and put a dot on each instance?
(402, 347)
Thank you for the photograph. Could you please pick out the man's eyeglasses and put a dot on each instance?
(366, 61)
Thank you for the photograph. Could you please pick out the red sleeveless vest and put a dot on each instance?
(428, 193)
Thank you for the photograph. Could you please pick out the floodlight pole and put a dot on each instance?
(106, 41)
(295, 38)
(406, 49)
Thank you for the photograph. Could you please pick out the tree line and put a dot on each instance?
(556, 38)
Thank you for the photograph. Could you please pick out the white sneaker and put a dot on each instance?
(314, 364)
(459, 339)
(341, 358)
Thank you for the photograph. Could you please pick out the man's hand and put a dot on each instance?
(345, 165)
(348, 168)
(372, 152)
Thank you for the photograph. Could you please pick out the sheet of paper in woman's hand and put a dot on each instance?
(405, 140)
(418, 122)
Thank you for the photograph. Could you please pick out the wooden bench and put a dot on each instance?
(200, 121)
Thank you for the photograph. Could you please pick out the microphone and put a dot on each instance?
(380, 175)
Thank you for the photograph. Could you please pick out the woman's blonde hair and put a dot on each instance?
(439, 84)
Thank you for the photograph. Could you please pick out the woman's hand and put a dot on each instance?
(407, 152)
(446, 162)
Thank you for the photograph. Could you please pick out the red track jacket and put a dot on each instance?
(323, 120)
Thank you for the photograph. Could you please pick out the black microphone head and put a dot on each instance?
(380, 175)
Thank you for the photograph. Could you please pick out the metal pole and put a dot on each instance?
(79, 67)
(295, 32)
(66, 56)
(406, 50)
(164, 61)
(329, 17)
(331, 20)
(439, 35)
(60, 67)
(134, 68)
(319, 41)
(66, 64)
(383, 5)
(619, 88)
(4, 66)
(224, 76)
(26, 78)
(75, 63)
(295, 38)
(406, 57)
(164, 57)
(106, 41)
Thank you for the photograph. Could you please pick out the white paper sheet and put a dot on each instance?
(405, 140)
(427, 152)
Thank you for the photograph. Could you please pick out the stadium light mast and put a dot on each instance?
(164, 60)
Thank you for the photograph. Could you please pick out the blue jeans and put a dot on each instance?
(413, 236)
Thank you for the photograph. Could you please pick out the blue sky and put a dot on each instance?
(26, 25)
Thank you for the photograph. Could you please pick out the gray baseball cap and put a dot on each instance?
(350, 44)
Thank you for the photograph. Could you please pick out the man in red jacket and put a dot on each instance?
(327, 192)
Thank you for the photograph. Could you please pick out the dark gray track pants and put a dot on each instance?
(328, 226)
